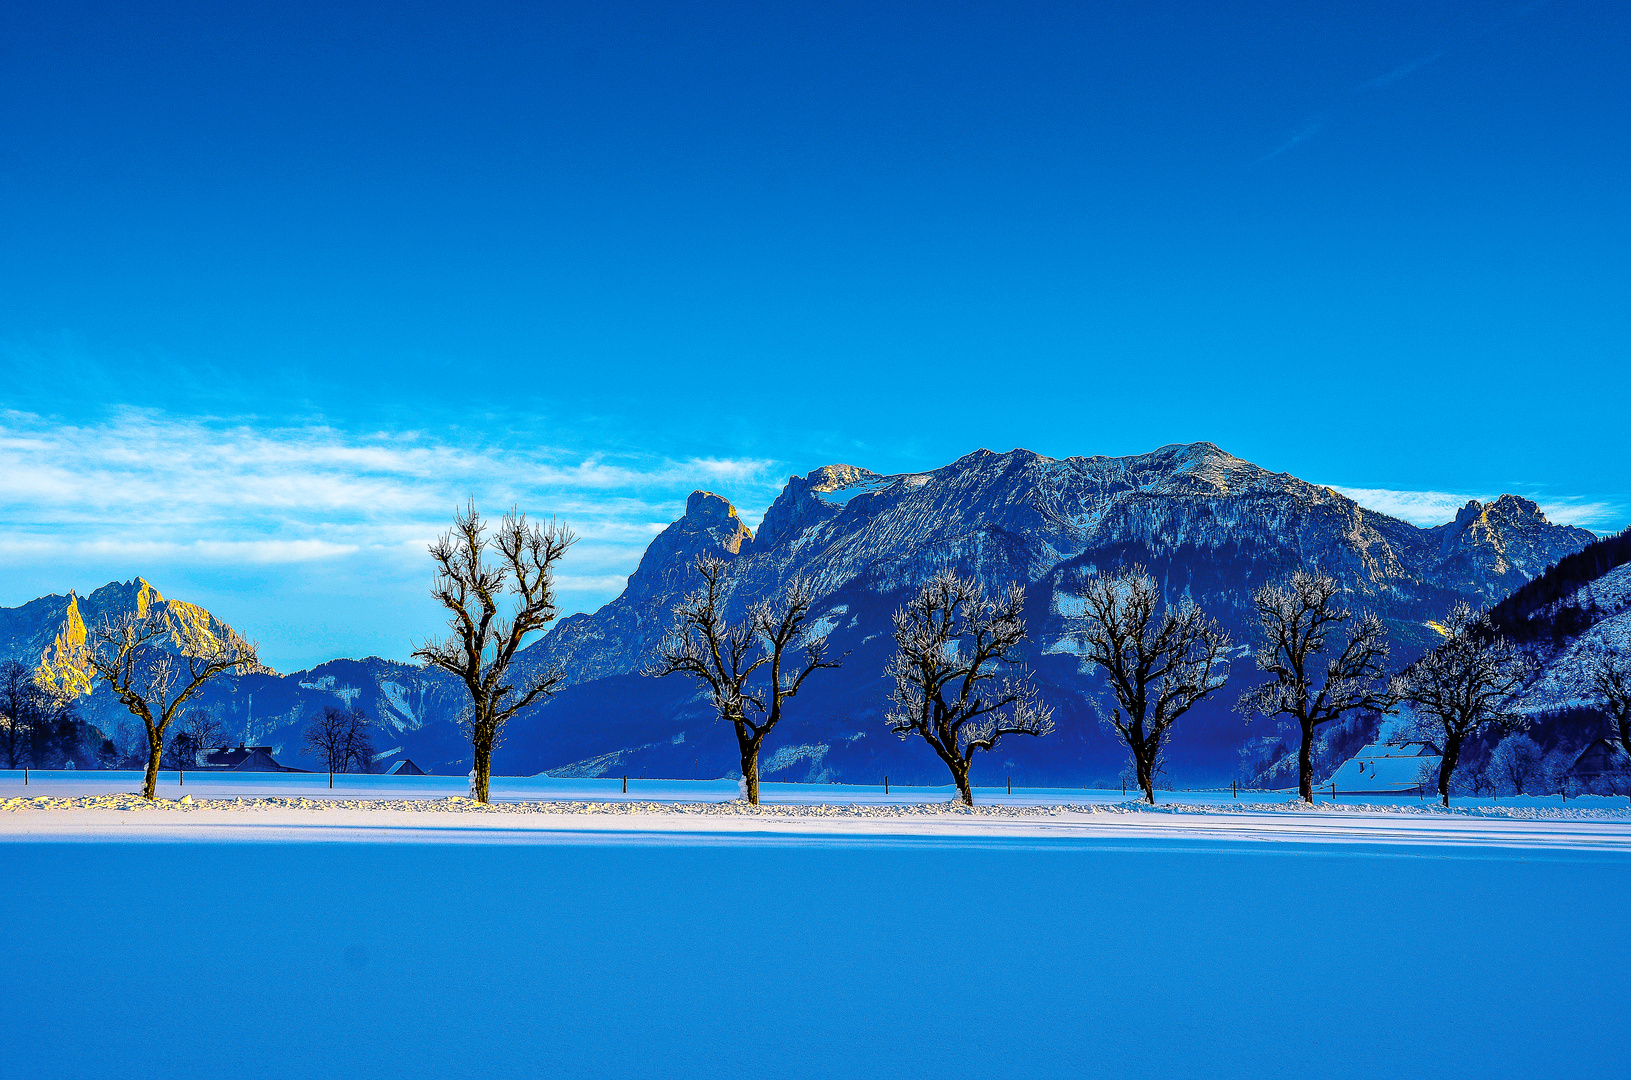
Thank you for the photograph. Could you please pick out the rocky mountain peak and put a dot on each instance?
(710, 525)
(836, 477)
(1497, 546)
(714, 516)
(136, 596)
(813, 498)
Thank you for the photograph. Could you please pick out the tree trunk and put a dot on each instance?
(155, 750)
(482, 744)
(959, 774)
(1446, 766)
(1145, 763)
(1305, 764)
(750, 769)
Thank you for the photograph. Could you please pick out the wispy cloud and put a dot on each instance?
(1302, 135)
(1429, 508)
(1339, 103)
(147, 488)
(1383, 81)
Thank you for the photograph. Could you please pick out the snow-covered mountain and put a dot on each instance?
(1212, 525)
(50, 632)
(1209, 525)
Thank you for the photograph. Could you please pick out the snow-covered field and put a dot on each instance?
(395, 931)
(517, 789)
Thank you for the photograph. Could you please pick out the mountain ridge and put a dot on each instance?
(1211, 526)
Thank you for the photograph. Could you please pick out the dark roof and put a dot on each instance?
(1600, 753)
(404, 767)
(231, 756)
(245, 759)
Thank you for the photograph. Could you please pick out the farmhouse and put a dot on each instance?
(1386, 769)
(1605, 757)
(242, 759)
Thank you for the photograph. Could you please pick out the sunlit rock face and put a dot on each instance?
(50, 634)
(1489, 550)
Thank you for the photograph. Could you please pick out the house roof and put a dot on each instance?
(230, 756)
(244, 759)
(1382, 768)
(1600, 749)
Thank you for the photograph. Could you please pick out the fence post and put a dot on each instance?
(25, 775)
(1010, 785)
(625, 785)
(181, 778)
(886, 785)
(1124, 785)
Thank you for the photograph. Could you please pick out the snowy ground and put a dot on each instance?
(515, 789)
(395, 931)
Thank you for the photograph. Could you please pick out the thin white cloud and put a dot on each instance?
(1383, 81)
(1596, 516)
(1301, 135)
(142, 488)
(200, 551)
(1429, 508)
(1424, 508)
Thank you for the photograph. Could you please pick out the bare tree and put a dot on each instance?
(131, 743)
(1296, 621)
(484, 639)
(197, 731)
(724, 657)
(1160, 660)
(154, 669)
(362, 745)
(1463, 687)
(19, 710)
(337, 737)
(1611, 676)
(1517, 761)
(951, 642)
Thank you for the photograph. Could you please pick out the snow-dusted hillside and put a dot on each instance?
(1563, 682)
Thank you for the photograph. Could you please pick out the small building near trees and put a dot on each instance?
(242, 759)
(1388, 769)
(1603, 758)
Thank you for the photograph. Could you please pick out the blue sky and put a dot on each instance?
(280, 284)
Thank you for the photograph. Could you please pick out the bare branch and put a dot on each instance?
(154, 666)
(1467, 685)
(725, 657)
